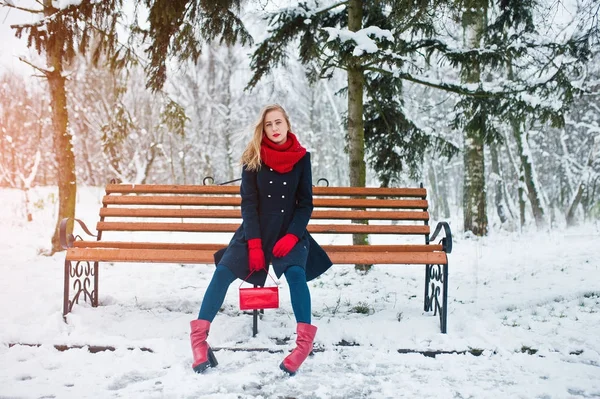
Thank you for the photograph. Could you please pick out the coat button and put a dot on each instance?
(282, 211)
(283, 196)
(284, 183)
(269, 195)
(271, 169)
(271, 182)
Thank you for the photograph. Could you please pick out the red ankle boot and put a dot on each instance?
(304, 345)
(203, 355)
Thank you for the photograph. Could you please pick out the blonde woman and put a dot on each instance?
(277, 203)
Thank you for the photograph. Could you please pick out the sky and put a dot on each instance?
(10, 46)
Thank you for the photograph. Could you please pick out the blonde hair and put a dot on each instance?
(251, 156)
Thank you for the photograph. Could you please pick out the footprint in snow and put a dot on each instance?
(131, 378)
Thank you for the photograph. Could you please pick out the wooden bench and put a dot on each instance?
(216, 208)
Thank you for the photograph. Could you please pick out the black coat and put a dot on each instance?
(274, 204)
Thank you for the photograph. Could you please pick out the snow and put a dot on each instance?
(364, 44)
(62, 4)
(530, 301)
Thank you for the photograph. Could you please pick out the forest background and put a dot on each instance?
(492, 105)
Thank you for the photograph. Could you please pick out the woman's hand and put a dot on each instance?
(256, 256)
(284, 245)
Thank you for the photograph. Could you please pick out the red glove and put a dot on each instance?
(256, 256)
(284, 245)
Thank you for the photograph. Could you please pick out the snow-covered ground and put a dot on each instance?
(530, 301)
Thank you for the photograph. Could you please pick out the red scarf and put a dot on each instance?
(282, 157)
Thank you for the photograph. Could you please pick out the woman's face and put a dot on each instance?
(276, 127)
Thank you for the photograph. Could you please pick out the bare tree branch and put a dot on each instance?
(10, 4)
(46, 72)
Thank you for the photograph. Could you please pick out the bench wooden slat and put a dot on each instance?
(236, 214)
(216, 247)
(406, 258)
(148, 245)
(201, 189)
(170, 213)
(170, 200)
(170, 189)
(237, 201)
(232, 227)
(206, 256)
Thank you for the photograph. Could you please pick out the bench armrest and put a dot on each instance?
(447, 240)
(66, 241)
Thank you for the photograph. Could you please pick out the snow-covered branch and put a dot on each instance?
(10, 4)
(34, 168)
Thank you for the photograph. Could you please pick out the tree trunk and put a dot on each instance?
(27, 205)
(574, 204)
(63, 145)
(474, 191)
(520, 185)
(171, 159)
(498, 181)
(13, 165)
(150, 157)
(211, 118)
(591, 199)
(528, 174)
(433, 189)
(86, 159)
(585, 177)
(228, 105)
(443, 190)
(114, 140)
(340, 172)
(356, 129)
(527, 177)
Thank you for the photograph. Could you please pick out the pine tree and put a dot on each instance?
(59, 34)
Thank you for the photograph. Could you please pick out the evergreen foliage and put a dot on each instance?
(178, 28)
(77, 29)
(395, 143)
(409, 41)
(174, 117)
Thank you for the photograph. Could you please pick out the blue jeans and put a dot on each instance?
(223, 277)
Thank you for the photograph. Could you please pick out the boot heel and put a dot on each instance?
(211, 358)
(283, 368)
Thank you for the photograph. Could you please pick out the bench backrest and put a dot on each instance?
(200, 208)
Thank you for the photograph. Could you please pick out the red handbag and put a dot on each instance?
(259, 297)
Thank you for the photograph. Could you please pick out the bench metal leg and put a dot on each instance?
(426, 296)
(436, 285)
(81, 277)
(444, 319)
(254, 322)
(95, 291)
(255, 318)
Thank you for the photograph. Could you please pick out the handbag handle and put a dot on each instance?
(248, 276)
